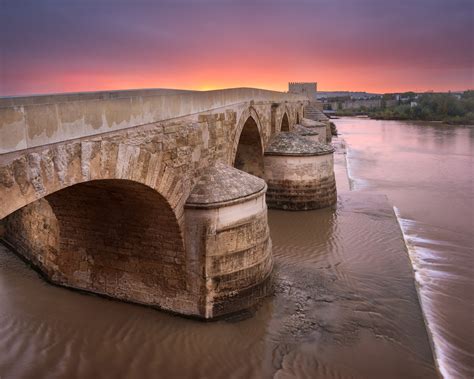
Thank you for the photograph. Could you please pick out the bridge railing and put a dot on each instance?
(32, 121)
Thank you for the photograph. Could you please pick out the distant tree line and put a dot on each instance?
(445, 107)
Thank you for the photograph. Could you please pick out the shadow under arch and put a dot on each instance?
(114, 237)
(248, 145)
(285, 124)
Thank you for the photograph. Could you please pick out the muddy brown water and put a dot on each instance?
(427, 172)
(345, 306)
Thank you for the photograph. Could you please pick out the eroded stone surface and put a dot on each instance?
(227, 210)
(302, 195)
(304, 131)
(113, 237)
(293, 144)
(299, 173)
(221, 183)
(312, 123)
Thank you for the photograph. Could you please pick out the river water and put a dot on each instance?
(427, 172)
(345, 304)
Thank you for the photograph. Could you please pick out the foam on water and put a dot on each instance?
(426, 172)
(420, 280)
(431, 266)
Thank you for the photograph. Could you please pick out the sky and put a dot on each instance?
(49, 46)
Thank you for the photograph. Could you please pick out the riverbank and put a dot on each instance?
(448, 108)
(463, 123)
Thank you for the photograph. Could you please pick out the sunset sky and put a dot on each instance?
(369, 45)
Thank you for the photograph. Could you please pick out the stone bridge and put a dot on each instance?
(134, 194)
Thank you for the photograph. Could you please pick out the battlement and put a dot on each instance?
(304, 88)
(303, 83)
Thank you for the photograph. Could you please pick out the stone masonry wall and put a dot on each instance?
(300, 183)
(312, 194)
(238, 259)
(157, 163)
(34, 232)
(117, 238)
(166, 156)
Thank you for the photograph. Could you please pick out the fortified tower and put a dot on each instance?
(314, 110)
(304, 88)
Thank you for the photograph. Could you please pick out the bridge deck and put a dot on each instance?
(27, 122)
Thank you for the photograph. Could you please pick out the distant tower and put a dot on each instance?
(304, 88)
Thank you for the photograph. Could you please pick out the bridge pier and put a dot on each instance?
(307, 133)
(317, 126)
(313, 111)
(299, 173)
(228, 240)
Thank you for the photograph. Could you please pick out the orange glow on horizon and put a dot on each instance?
(371, 45)
(329, 79)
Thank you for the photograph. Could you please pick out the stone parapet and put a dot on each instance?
(27, 122)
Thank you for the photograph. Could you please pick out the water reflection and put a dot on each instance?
(344, 306)
(426, 171)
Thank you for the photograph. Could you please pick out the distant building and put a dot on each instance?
(391, 103)
(354, 104)
(309, 89)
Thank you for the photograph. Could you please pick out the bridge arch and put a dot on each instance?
(35, 175)
(247, 150)
(115, 237)
(285, 123)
